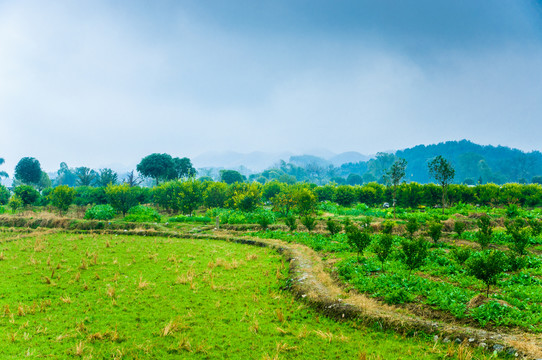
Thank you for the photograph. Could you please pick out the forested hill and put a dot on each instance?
(474, 163)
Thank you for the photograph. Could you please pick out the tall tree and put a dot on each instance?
(182, 169)
(157, 166)
(85, 176)
(396, 173)
(28, 171)
(3, 173)
(65, 175)
(231, 176)
(106, 177)
(442, 171)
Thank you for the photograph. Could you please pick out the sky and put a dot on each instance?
(95, 83)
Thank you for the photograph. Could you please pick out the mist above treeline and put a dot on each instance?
(473, 164)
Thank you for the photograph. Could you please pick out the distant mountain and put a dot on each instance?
(255, 161)
(305, 160)
(348, 157)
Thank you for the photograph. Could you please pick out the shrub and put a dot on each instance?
(290, 221)
(309, 222)
(142, 213)
(487, 266)
(100, 212)
(27, 194)
(382, 247)
(121, 197)
(265, 218)
(484, 234)
(519, 234)
(333, 226)
(15, 203)
(412, 226)
(62, 197)
(4, 195)
(459, 227)
(414, 253)
(536, 226)
(387, 227)
(398, 296)
(190, 219)
(435, 231)
(460, 254)
(358, 239)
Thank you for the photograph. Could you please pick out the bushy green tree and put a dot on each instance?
(345, 195)
(290, 221)
(484, 235)
(358, 239)
(27, 194)
(487, 266)
(28, 171)
(414, 253)
(249, 198)
(520, 236)
(4, 195)
(309, 222)
(157, 166)
(85, 176)
(459, 227)
(383, 247)
(412, 226)
(435, 231)
(62, 197)
(107, 177)
(231, 176)
(305, 201)
(121, 197)
(3, 173)
(334, 227)
(214, 195)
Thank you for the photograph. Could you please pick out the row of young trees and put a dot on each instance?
(188, 195)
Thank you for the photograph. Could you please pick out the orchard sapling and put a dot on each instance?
(358, 239)
(333, 226)
(290, 221)
(387, 227)
(435, 231)
(536, 226)
(382, 247)
(487, 266)
(414, 253)
(412, 226)
(519, 234)
(485, 231)
(309, 222)
(459, 228)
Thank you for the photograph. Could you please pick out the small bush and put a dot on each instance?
(412, 226)
(485, 231)
(142, 213)
(333, 226)
(459, 227)
(387, 227)
(309, 222)
(398, 296)
(414, 253)
(100, 212)
(265, 218)
(358, 239)
(435, 231)
(460, 254)
(382, 247)
(4, 195)
(290, 221)
(487, 266)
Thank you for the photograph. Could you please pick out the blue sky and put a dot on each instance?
(103, 82)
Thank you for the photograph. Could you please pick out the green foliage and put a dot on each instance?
(512, 211)
(27, 194)
(383, 247)
(487, 266)
(248, 197)
(414, 252)
(484, 235)
(333, 226)
(345, 195)
(305, 201)
(162, 167)
(15, 203)
(179, 195)
(214, 194)
(4, 195)
(460, 254)
(231, 176)
(28, 171)
(190, 219)
(271, 189)
(459, 227)
(358, 239)
(442, 171)
(142, 213)
(387, 227)
(62, 197)
(121, 197)
(100, 212)
(87, 195)
(291, 222)
(412, 226)
(492, 311)
(536, 226)
(398, 296)
(107, 177)
(85, 176)
(265, 218)
(435, 231)
(520, 236)
(309, 222)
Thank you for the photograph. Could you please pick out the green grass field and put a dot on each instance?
(105, 296)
